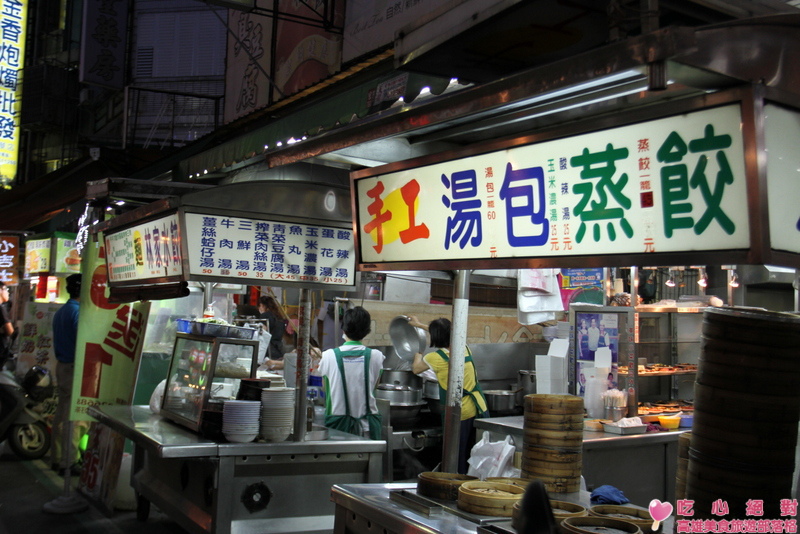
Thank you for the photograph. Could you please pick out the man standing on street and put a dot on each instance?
(65, 337)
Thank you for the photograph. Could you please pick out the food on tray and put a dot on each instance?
(492, 491)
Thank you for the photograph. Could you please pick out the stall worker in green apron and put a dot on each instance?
(473, 403)
(350, 373)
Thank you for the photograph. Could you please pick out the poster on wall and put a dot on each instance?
(596, 347)
(584, 286)
(305, 54)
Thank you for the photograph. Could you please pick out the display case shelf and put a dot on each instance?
(203, 372)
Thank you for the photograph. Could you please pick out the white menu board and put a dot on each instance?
(258, 250)
(145, 251)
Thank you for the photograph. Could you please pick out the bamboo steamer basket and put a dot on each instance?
(554, 470)
(597, 525)
(554, 404)
(554, 455)
(556, 484)
(575, 424)
(639, 517)
(536, 418)
(516, 481)
(472, 497)
(441, 485)
(553, 438)
(563, 510)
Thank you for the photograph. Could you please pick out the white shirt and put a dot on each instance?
(354, 370)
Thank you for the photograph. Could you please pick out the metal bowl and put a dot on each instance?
(407, 340)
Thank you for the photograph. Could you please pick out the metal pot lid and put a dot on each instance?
(407, 340)
(395, 387)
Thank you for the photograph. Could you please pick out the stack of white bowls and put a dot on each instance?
(277, 413)
(240, 420)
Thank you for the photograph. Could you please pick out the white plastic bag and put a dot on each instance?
(157, 396)
(492, 458)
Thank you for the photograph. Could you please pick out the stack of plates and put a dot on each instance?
(240, 420)
(277, 413)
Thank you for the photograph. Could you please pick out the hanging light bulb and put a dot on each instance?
(734, 281)
(671, 280)
(703, 280)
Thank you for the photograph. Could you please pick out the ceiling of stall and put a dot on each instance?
(694, 61)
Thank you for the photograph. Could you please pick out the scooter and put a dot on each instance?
(24, 428)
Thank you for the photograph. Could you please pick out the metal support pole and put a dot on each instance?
(301, 371)
(455, 382)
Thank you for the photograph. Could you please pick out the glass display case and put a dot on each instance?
(203, 373)
(668, 344)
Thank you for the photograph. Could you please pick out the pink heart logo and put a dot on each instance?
(659, 511)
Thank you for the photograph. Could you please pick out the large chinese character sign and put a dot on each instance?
(669, 185)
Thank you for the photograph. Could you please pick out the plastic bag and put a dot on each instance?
(492, 458)
(155, 398)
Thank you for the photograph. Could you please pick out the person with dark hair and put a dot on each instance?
(65, 338)
(473, 402)
(6, 326)
(350, 373)
(271, 311)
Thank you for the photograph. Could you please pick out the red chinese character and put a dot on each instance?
(489, 172)
(684, 507)
(789, 507)
(720, 507)
(754, 507)
(125, 330)
(644, 164)
(380, 217)
(644, 145)
(644, 185)
(410, 192)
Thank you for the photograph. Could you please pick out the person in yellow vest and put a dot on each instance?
(473, 402)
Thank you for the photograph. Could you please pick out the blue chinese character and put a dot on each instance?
(465, 223)
(523, 192)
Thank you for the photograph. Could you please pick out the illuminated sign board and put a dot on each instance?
(263, 251)
(9, 259)
(668, 185)
(146, 251)
(13, 14)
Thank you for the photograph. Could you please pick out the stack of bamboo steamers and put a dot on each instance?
(553, 441)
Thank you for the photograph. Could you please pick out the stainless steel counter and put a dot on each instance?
(223, 488)
(363, 508)
(643, 466)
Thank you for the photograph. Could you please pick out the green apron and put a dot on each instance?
(348, 423)
(476, 394)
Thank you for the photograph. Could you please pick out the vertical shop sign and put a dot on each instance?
(110, 338)
(9, 259)
(13, 21)
(248, 62)
(36, 337)
(103, 43)
(668, 185)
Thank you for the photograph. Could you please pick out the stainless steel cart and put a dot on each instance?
(234, 488)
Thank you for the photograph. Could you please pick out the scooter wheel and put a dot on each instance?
(31, 441)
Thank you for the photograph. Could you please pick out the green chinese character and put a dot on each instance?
(676, 182)
(601, 165)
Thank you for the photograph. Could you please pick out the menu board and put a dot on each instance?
(145, 251)
(37, 255)
(269, 251)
